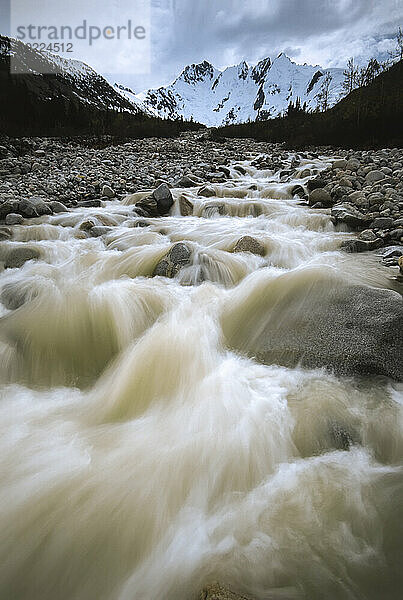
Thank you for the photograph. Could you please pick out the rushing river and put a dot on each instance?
(141, 458)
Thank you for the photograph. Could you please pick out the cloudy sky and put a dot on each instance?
(325, 32)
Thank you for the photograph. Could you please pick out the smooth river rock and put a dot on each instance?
(352, 330)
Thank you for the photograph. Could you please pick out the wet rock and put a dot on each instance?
(57, 207)
(88, 224)
(400, 264)
(320, 195)
(33, 207)
(19, 255)
(348, 214)
(353, 330)
(7, 207)
(240, 169)
(179, 256)
(99, 230)
(299, 191)
(185, 182)
(185, 206)
(206, 191)
(210, 210)
(13, 296)
(163, 197)
(248, 243)
(107, 191)
(14, 219)
(357, 245)
(5, 233)
(90, 203)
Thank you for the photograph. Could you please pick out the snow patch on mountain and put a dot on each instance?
(241, 92)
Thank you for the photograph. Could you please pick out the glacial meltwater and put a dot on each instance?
(145, 450)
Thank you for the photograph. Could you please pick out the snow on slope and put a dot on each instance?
(241, 92)
(59, 77)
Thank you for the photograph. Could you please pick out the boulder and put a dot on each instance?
(340, 163)
(33, 207)
(107, 191)
(14, 219)
(185, 206)
(382, 223)
(357, 245)
(400, 264)
(299, 191)
(206, 191)
(320, 195)
(163, 197)
(374, 176)
(348, 214)
(57, 207)
(7, 207)
(185, 182)
(19, 255)
(248, 243)
(5, 233)
(179, 256)
(353, 164)
(319, 322)
(316, 183)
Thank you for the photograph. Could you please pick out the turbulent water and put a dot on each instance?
(141, 458)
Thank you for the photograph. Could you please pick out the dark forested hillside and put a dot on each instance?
(369, 116)
(70, 98)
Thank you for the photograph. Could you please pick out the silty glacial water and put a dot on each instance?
(142, 456)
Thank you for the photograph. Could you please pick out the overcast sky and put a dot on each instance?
(325, 32)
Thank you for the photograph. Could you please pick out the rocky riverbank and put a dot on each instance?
(364, 190)
(44, 176)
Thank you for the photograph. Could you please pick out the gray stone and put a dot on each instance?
(382, 223)
(33, 207)
(340, 163)
(185, 206)
(179, 256)
(352, 164)
(374, 176)
(185, 182)
(99, 230)
(57, 207)
(320, 195)
(348, 214)
(357, 245)
(107, 191)
(162, 195)
(206, 191)
(353, 330)
(19, 255)
(14, 219)
(248, 243)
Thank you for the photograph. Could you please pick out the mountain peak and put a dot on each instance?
(240, 92)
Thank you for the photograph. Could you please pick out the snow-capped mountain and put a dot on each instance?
(61, 79)
(242, 92)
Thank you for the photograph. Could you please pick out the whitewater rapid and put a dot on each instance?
(142, 458)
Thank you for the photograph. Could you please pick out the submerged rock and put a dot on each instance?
(19, 255)
(179, 256)
(352, 330)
